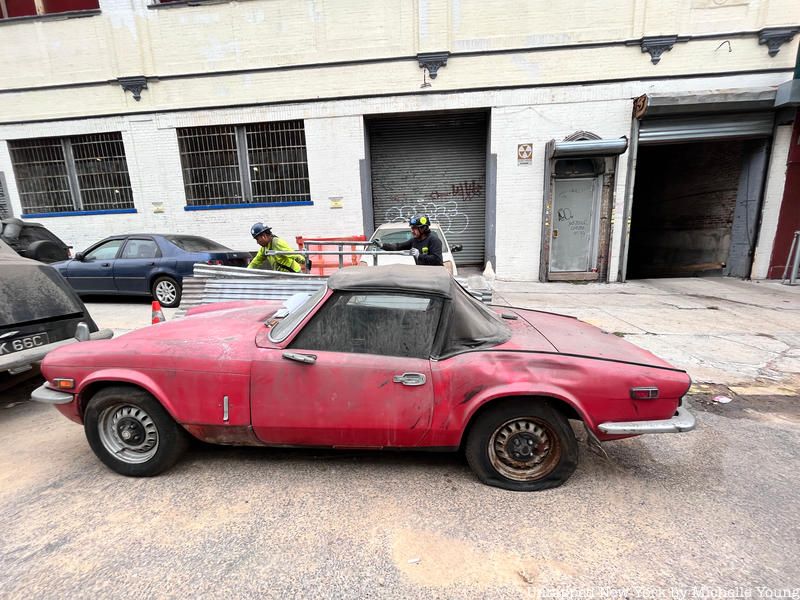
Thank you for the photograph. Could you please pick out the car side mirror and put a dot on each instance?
(79, 256)
(456, 248)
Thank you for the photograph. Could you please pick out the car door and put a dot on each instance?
(95, 272)
(357, 375)
(135, 264)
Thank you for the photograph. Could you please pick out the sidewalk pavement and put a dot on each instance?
(741, 334)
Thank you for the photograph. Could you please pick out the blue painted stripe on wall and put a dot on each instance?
(77, 213)
(254, 205)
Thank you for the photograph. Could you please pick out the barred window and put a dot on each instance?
(245, 164)
(87, 172)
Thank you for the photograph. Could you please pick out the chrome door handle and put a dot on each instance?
(309, 359)
(410, 379)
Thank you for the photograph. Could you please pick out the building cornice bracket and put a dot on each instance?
(775, 37)
(432, 61)
(658, 44)
(134, 85)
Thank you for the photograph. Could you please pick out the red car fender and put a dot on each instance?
(523, 389)
(112, 376)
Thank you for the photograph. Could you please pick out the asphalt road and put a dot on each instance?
(710, 512)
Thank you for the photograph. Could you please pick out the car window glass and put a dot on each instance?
(401, 235)
(195, 243)
(105, 251)
(282, 330)
(140, 249)
(395, 237)
(29, 235)
(373, 323)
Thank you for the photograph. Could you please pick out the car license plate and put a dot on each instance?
(23, 343)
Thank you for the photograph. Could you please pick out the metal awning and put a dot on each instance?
(707, 127)
(710, 101)
(590, 148)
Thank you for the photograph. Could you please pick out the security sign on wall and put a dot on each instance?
(524, 154)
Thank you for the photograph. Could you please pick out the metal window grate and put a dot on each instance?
(86, 172)
(210, 165)
(102, 171)
(264, 162)
(278, 163)
(41, 174)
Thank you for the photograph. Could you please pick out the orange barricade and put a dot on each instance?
(325, 264)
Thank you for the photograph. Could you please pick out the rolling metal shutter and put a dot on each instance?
(5, 201)
(434, 166)
(704, 128)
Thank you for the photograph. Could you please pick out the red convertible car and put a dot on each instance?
(382, 357)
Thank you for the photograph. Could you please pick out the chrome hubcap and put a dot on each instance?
(524, 449)
(128, 433)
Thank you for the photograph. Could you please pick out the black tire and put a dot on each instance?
(156, 441)
(522, 445)
(167, 291)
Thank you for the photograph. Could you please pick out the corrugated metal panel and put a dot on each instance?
(5, 202)
(217, 283)
(710, 127)
(434, 166)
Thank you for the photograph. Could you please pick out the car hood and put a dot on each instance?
(568, 335)
(217, 338)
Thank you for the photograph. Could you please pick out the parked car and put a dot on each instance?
(33, 240)
(396, 233)
(39, 312)
(144, 264)
(385, 357)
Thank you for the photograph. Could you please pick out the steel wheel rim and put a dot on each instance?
(166, 292)
(128, 433)
(524, 449)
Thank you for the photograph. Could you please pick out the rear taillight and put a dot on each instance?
(644, 393)
(215, 262)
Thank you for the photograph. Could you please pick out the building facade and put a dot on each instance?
(574, 141)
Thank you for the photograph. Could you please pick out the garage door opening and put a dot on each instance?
(695, 209)
(434, 165)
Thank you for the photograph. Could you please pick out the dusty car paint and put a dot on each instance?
(190, 365)
(388, 357)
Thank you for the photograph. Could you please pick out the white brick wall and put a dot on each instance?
(335, 141)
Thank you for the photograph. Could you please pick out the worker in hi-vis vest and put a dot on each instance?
(269, 242)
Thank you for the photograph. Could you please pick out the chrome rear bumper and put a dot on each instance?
(681, 422)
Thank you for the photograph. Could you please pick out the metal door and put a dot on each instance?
(574, 231)
(340, 399)
(434, 166)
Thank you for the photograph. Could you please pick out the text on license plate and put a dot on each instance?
(23, 343)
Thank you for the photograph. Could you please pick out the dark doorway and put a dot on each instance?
(693, 209)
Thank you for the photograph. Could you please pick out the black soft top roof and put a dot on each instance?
(406, 278)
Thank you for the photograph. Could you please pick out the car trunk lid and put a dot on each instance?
(569, 335)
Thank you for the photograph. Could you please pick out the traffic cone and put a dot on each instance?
(157, 313)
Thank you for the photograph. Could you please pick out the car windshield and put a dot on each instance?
(293, 311)
(401, 235)
(34, 292)
(195, 243)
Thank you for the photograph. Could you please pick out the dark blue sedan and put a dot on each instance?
(144, 264)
